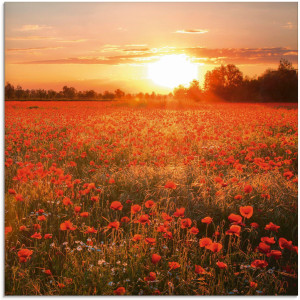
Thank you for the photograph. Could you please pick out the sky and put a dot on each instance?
(109, 45)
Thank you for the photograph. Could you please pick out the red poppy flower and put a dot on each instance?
(77, 209)
(205, 242)
(254, 225)
(234, 229)
(276, 254)
(144, 219)
(263, 248)
(91, 230)
(199, 270)
(84, 214)
(259, 264)
(170, 185)
(111, 180)
(168, 235)
(8, 229)
(235, 218)
(67, 225)
(48, 236)
(149, 204)
(120, 291)
(207, 220)
(186, 223)
(268, 240)
(166, 217)
(248, 189)
(135, 208)
(150, 241)
(48, 272)
(221, 265)
(12, 191)
(41, 218)
(136, 237)
(238, 197)
(246, 211)
(24, 254)
(115, 225)
(95, 198)
(215, 247)
(19, 198)
(125, 220)
(174, 265)
(151, 277)
(272, 227)
(194, 230)
(36, 236)
(155, 258)
(67, 201)
(116, 205)
(285, 244)
(179, 212)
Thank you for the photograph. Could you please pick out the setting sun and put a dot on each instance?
(173, 70)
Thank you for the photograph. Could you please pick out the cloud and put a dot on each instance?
(192, 31)
(30, 38)
(32, 49)
(242, 55)
(33, 27)
(197, 54)
(136, 50)
(72, 41)
(289, 25)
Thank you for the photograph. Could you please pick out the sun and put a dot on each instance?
(173, 70)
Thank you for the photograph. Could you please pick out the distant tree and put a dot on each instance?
(119, 94)
(9, 91)
(91, 94)
(108, 95)
(224, 81)
(279, 85)
(19, 92)
(69, 92)
(51, 94)
(180, 92)
(194, 91)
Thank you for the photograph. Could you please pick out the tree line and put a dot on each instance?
(222, 83)
(228, 83)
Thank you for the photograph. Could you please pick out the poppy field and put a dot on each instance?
(106, 199)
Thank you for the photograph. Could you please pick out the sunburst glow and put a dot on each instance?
(173, 70)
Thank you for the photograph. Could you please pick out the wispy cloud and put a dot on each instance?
(136, 50)
(192, 31)
(34, 27)
(289, 25)
(197, 54)
(72, 41)
(30, 38)
(32, 49)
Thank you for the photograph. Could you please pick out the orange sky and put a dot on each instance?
(104, 46)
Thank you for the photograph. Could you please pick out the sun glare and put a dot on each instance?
(173, 70)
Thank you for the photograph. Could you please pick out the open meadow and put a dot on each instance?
(107, 199)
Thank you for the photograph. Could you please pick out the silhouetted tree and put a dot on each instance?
(119, 94)
(224, 81)
(279, 85)
(9, 91)
(69, 92)
(194, 91)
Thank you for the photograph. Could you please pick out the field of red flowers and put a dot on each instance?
(113, 200)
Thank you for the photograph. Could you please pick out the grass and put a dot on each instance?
(90, 155)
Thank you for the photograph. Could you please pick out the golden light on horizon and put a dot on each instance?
(173, 70)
